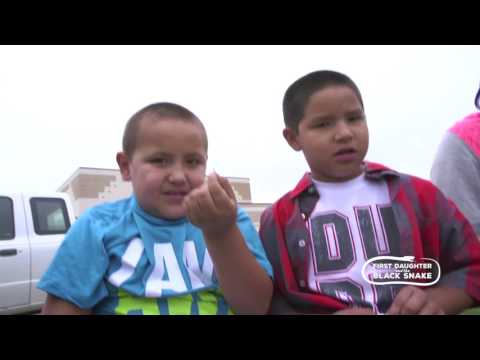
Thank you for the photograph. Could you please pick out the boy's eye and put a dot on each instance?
(194, 162)
(322, 124)
(159, 161)
(354, 118)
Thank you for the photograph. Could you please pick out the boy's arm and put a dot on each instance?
(244, 283)
(74, 278)
(57, 306)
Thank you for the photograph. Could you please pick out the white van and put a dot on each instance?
(31, 229)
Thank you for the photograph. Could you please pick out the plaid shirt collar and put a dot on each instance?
(308, 195)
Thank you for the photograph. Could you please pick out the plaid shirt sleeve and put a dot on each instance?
(448, 236)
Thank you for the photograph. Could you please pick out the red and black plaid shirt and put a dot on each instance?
(430, 226)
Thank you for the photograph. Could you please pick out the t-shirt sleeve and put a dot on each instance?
(252, 240)
(77, 271)
(456, 172)
(459, 249)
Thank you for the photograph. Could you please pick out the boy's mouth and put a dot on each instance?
(345, 155)
(176, 193)
(348, 150)
(175, 196)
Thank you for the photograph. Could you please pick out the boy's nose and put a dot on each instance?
(343, 132)
(177, 176)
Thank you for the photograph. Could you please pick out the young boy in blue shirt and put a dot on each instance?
(178, 245)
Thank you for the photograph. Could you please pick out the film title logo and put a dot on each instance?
(386, 270)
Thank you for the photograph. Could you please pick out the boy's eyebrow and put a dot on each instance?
(355, 112)
(328, 117)
(160, 153)
(156, 155)
(195, 154)
(167, 154)
(322, 117)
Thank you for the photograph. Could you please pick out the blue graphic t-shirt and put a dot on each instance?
(117, 259)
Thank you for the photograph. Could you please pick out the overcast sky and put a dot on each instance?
(64, 107)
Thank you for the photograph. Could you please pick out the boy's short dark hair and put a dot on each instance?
(297, 95)
(158, 110)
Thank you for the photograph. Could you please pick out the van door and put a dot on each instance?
(48, 223)
(14, 253)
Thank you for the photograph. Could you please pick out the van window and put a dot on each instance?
(49, 216)
(7, 228)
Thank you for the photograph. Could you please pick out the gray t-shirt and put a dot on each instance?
(456, 172)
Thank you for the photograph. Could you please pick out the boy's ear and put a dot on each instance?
(124, 165)
(291, 138)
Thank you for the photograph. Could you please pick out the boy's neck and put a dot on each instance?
(353, 180)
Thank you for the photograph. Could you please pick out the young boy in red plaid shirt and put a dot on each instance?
(320, 236)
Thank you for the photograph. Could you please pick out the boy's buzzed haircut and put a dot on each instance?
(297, 95)
(158, 110)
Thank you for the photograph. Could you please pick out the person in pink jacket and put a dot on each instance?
(456, 168)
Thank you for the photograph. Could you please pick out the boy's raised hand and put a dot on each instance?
(411, 300)
(212, 206)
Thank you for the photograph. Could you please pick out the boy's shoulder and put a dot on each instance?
(373, 170)
(109, 212)
(281, 209)
(411, 183)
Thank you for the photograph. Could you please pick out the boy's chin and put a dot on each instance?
(349, 174)
(172, 214)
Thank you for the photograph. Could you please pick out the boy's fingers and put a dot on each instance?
(226, 186)
(201, 200)
(418, 300)
(402, 297)
(218, 194)
(204, 199)
(197, 209)
(414, 304)
(393, 309)
(207, 206)
(431, 309)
